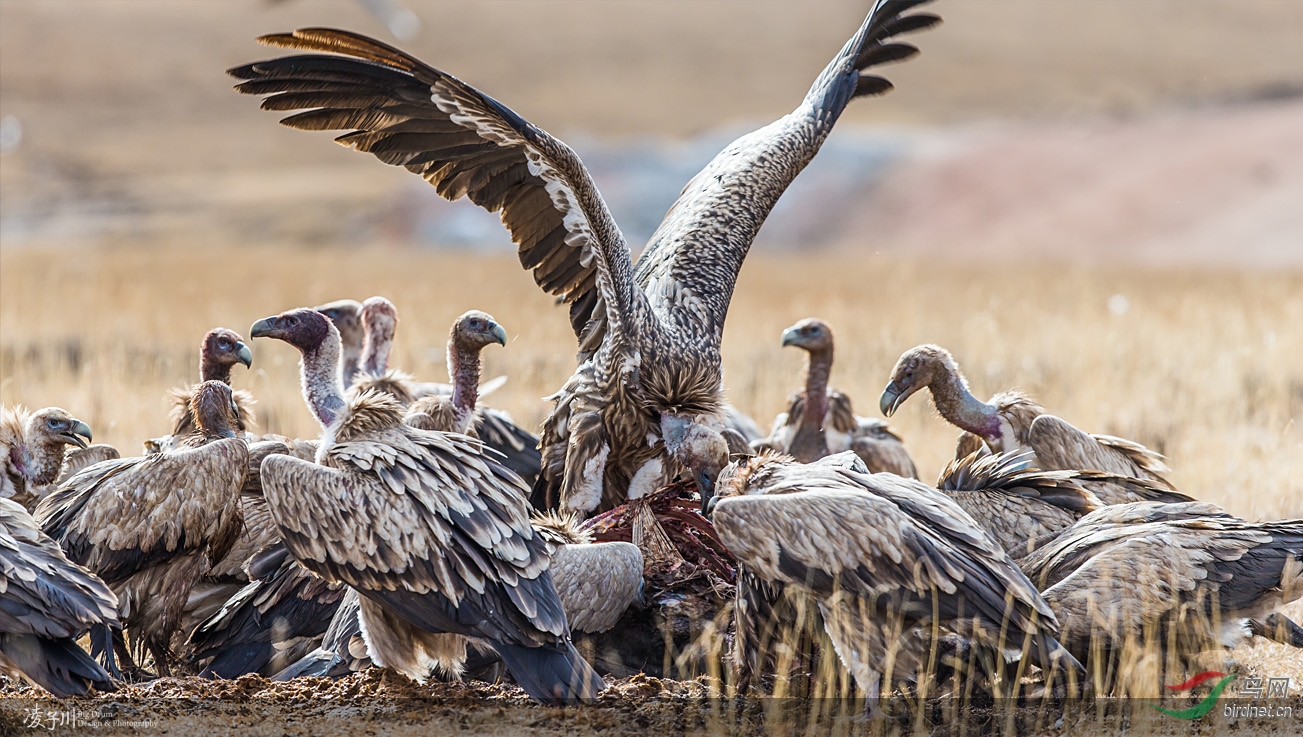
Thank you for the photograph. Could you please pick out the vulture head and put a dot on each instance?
(809, 335)
(475, 330)
(921, 366)
(221, 350)
(214, 409)
(302, 328)
(701, 449)
(346, 314)
(379, 323)
(53, 428)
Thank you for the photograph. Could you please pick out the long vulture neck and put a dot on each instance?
(322, 388)
(960, 408)
(817, 372)
(213, 370)
(464, 372)
(375, 351)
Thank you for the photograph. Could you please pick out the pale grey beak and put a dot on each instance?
(263, 327)
(892, 398)
(78, 431)
(245, 355)
(499, 333)
(790, 337)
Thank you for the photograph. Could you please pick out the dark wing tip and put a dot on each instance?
(870, 84)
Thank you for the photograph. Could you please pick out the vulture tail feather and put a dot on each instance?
(58, 665)
(319, 663)
(235, 661)
(553, 674)
(1278, 628)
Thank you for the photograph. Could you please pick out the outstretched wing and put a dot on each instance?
(464, 143)
(426, 523)
(692, 260)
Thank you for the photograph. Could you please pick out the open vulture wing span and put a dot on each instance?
(434, 534)
(1195, 580)
(46, 603)
(649, 335)
(890, 548)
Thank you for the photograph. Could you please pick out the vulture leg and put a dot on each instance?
(102, 641)
(159, 651)
(130, 669)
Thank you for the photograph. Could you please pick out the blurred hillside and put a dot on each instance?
(1157, 131)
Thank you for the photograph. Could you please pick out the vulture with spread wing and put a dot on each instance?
(33, 449)
(429, 529)
(150, 527)
(1184, 576)
(649, 335)
(219, 351)
(46, 603)
(1012, 422)
(883, 557)
(820, 420)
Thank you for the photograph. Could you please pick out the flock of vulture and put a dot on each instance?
(426, 533)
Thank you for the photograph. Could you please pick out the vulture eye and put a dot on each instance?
(54, 424)
(224, 344)
(291, 321)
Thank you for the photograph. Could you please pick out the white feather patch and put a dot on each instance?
(648, 479)
(587, 494)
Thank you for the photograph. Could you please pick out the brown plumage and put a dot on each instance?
(1014, 503)
(431, 531)
(820, 420)
(649, 335)
(1141, 577)
(46, 603)
(152, 526)
(882, 556)
(1012, 422)
(219, 352)
(33, 446)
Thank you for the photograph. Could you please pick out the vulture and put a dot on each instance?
(883, 557)
(1185, 576)
(820, 420)
(220, 350)
(649, 333)
(150, 527)
(33, 448)
(431, 531)
(1018, 506)
(1013, 422)
(288, 605)
(46, 603)
(346, 314)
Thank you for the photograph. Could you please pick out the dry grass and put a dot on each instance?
(1205, 367)
(1202, 366)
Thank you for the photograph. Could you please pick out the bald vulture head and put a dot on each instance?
(475, 330)
(54, 428)
(318, 341)
(346, 314)
(701, 449)
(810, 335)
(919, 367)
(379, 323)
(220, 350)
(302, 328)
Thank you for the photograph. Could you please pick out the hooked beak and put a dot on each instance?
(245, 355)
(78, 431)
(790, 337)
(263, 328)
(892, 397)
(706, 487)
(499, 333)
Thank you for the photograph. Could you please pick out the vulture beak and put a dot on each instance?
(892, 397)
(791, 337)
(245, 355)
(263, 328)
(499, 334)
(708, 506)
(78, 431)
(706, 487)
